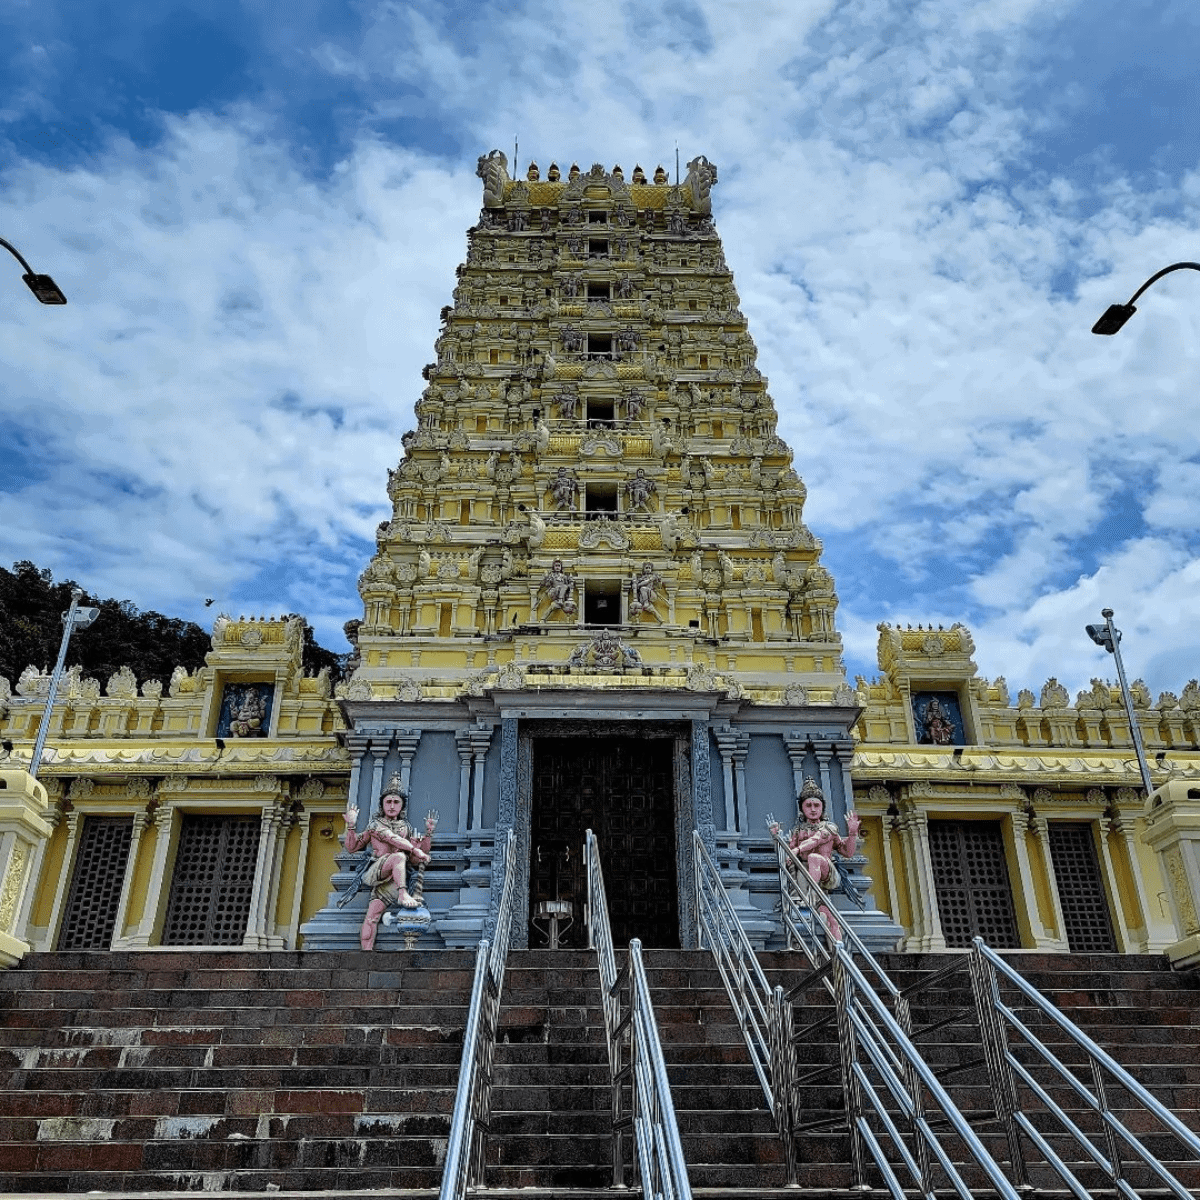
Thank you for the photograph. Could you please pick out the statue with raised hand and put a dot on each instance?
(814, 840)
(392, 842)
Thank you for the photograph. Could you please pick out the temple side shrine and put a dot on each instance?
(595, 604)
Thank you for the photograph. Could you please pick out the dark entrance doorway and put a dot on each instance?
(622, 788)
(973, 893)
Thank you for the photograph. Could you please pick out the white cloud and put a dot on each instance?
(243, 345)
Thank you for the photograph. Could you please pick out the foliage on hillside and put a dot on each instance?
(150, 644)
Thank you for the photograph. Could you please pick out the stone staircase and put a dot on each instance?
(216, 1071)
(286, 1074)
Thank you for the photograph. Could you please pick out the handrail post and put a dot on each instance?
(466, 1147)
(783, 1081)
(848, 1054)
(986, 990)
(1110, 1136)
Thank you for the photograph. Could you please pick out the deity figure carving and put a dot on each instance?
(700, 178)
(639, 489)
(563, 489)
(558, 587)
(814, 840)
(493, 170)
(392, 842)
(568, 405)
(635, 404)
(624, 288)
(936, 727)
(247, 711)
(644, 588)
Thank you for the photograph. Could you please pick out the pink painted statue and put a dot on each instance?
(814, 840)
(393, 842)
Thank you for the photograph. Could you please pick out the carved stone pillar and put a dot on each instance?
(739, 776)
(797, 748)
(357, 744)
(1146, 940)
(64, 878)
(1026, 894)
(155, 899)
(378, 753)
(24, 832)
(1116, 902)
(926, 934)
(406, 743)
(462, 741)
(727, 742)
(824, 753)
(141, 820)
(1173, 831)
(259, 934)
(462, 926)
(292, 937)
(1056, 937)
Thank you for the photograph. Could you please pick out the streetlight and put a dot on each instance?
(42, 286)
(74, 618)
(1109, 636)
(1117, 314)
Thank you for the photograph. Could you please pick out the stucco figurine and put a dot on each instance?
(814, 840)
(392, 841)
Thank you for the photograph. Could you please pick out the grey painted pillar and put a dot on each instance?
(507, 816)
(462, 740)
(406, 742)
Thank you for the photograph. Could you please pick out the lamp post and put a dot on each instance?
(1109, 636)
(42, 286)
(1117, 314)
(75, 617)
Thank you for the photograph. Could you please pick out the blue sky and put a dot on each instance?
(256, 214)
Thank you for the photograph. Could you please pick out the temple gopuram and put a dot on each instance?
(595, 604)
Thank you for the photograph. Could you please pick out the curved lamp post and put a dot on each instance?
(1117, 314)
(42, 286)
(1109, 636)
(76, 617)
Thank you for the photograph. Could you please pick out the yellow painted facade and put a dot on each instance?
(595, 444)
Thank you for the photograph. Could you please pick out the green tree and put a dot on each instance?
(150, 644)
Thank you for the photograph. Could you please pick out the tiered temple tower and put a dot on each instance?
(595, 605)
(597, 547)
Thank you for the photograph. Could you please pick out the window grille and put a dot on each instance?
(100, 864)
(213, 881)
(1081, 889)
(973, 893)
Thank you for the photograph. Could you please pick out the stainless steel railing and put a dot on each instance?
(893, 1099)
(641, 1093)
(763, 1013)
(1023, 1068)
(470, 1125)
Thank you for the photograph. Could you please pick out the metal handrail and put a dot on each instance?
(886, 1081)
(1121, 1148)
(763, 1014)
(635, 1056)
(470, 1124)
(802, 904)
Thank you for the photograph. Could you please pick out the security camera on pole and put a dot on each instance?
(76, 617)
(1109, 636)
